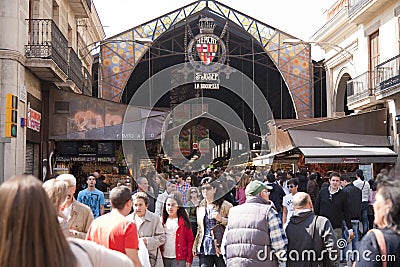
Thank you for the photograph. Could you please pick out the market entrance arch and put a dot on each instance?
(123, 54)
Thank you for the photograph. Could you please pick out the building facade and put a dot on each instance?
(44, 47)
(361, 43)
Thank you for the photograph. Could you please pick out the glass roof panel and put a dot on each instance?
(149, 29)
(168, 19)
(223, 9)
(214, 8)
(265, 32)
(139, 33)
(159, 29)
(244, 21)
(200, 6)
(180, 17)
(189, 9)
(234, 18)
(254, 32)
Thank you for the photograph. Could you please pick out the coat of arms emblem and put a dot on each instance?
(206, 48)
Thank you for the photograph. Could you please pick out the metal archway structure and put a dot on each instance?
(120, 58)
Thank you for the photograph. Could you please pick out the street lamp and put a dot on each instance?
(344, 52)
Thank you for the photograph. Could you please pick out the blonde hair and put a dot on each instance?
(68, 178)
(244, 181)
(188, 193)
(57, 191)
(30, 234)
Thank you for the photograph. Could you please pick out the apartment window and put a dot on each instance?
(373, 56)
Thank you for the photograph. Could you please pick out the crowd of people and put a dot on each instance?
(223, 217)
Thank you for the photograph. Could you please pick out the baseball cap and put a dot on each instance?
(255, 187)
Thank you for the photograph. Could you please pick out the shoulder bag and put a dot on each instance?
(380, 238)
(217, 233)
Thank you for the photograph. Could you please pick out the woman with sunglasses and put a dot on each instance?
(213, 210)
(383, 244)
(193, 201)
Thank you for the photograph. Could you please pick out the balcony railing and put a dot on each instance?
(354, 5)
(47, 42)
(87, 82)
(388, 74)
(75, 68)
(360, 87)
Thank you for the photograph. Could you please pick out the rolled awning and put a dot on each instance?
(348, 155)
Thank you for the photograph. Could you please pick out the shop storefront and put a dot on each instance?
(332, 144)
(87, 136)
(33, 136)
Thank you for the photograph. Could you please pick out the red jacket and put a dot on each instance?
(183, 242)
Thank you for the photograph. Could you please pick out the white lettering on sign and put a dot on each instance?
(350, 160)
(207, 40)
(206, 86)
(34, 120)
(206, 76)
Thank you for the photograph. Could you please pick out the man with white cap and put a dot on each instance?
(254, 230)
(79, 216)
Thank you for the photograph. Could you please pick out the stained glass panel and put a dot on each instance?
(213, 7)
(189, 9)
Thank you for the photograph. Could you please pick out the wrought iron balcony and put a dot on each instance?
(362, 10)
(87, 82)
(388, 77)
(360, 88)
(75, 69)
(46, 42)
(355, 5)
(388, 74)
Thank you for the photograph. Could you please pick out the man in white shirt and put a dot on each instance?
(287, 206)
